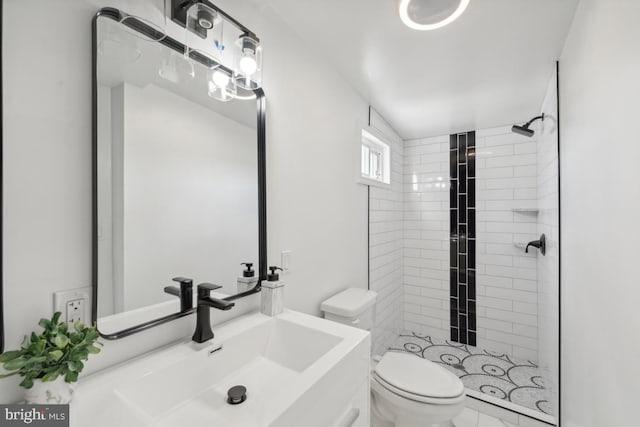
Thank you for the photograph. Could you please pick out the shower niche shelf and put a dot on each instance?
(533, 211)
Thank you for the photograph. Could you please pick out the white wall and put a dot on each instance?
(548, 223)
(506, 275)
(426, 236)
(385, 244)
(599, 152)
(315, 207)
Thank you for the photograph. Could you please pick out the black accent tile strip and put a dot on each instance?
(453, 223)
(462, 178)
(453, 194)
(471, 162)
(462, 148)
(471, 193)
(462, 222)
(453, 163)
(453, 283)
(471, 285)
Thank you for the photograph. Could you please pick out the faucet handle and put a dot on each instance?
(205, 288)
(183, 281)
(185, 292)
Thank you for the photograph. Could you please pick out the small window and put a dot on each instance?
(375, 161)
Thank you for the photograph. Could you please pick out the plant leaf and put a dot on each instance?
(55, 373)
(75, 366)
(10, 355)
(56, 317)
(55, 355)
(14, 364)
(93, 349)
(60, 341)
(45, 323)
(9, 375)
(71, 377)
(27, 382)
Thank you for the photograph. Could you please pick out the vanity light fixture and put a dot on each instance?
(430, 14)
(238, 64)
(175, 67)
(221, 85)
(248, 64)
(204, 33)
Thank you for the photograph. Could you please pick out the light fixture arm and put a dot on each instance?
(179, 15)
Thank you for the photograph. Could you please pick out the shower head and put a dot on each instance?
(524, 129)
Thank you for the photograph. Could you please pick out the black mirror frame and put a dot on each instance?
(144, 29)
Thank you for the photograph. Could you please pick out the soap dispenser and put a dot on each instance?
(272, 293)
(248, 280)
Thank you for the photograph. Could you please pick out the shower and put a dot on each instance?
(524, 129)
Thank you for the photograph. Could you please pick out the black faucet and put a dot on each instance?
(185, 292)
(203, 330)
(540, 244)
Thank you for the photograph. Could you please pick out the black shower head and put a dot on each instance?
(524, 129)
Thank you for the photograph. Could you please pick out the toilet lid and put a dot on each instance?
(415, 375)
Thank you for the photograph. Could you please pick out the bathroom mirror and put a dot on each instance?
(178, 178)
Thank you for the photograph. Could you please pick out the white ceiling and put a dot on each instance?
(490, 67)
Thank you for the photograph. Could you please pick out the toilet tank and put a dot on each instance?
(354, 307)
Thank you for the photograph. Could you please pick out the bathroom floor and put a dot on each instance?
(472, 418)
(497, 375)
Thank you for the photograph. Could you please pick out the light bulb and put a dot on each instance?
(248, 65)
(220, 79)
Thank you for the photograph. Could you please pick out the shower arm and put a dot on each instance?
(540, 117)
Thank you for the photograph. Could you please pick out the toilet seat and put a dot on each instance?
(418, 379)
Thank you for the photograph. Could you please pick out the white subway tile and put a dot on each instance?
(525, 331)
(512, 295)
(508, 316)
(512, 339)
(493, 324)
(489, 302)
(527, 308)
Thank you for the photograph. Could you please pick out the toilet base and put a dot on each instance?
(390, 410)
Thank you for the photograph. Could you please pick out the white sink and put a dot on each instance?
(288, 364)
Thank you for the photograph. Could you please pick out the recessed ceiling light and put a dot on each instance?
(430, 14)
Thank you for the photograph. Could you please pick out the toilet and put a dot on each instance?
(406, 390)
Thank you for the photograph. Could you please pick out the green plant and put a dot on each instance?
(58, 350)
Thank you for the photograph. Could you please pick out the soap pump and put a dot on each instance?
(273, 293)
(248, 280)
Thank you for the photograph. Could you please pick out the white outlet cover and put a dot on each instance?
(60, 299)
(285, 260)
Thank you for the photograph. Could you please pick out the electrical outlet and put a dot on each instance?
(75, 311)
(74, 304)
(285, 260)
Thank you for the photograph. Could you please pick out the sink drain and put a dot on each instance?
(236, 395)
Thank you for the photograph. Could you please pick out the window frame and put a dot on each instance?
(376, 143)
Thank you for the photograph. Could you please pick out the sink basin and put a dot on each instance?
(281, 361)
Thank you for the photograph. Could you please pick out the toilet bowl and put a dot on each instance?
(406, 390)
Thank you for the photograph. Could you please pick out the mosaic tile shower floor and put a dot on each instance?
(497, 375)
